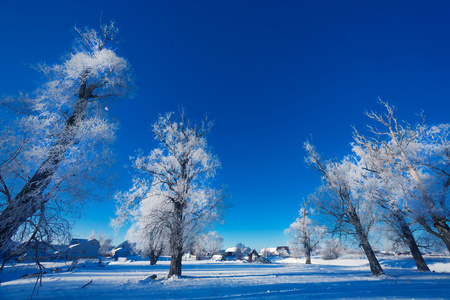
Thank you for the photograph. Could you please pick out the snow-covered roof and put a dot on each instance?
(84, 242)
(231, 249)
(77, 241)
(269, 249)
(126, 245)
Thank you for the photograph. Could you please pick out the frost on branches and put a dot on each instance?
(305, 235)
(55, 145)
(340, 197)
(388, 189)
(419, 158)
(400, 172)
(207, 244)
(172, 200)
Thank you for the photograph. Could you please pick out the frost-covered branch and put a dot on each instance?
(342, 199)
(58, 140)
(418, 156)
(172, 198)
(304, 233)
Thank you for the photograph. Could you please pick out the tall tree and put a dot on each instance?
(304, 233)
(56, 142)
(381, 184)
(175, 181)
(341, 199)
(420, 156)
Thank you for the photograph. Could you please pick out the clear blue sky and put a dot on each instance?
(270, 73)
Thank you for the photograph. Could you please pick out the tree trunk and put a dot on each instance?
(175, 264)
(308, 255)
(176, 241)
(411, 241)
(375, 266)
(152, 258)
(439, 222)
(30, 199)
(444, 230)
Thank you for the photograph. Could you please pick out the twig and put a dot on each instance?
(87, 283)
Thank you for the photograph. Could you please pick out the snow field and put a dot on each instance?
(285, 279)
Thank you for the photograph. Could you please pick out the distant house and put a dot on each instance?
(83, 249)
(235, 252)
(123, 250)
(230, 251)
(77, 241)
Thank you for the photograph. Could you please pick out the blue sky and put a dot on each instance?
(270, 73)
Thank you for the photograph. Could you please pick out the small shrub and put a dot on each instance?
(331, 250)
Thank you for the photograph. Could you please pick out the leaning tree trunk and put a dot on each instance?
(375, 266)
(441, 226)
(30, 199)
(411, 241)
(439, 222)
(444, 230)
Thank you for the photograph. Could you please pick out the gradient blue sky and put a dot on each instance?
(270, 73)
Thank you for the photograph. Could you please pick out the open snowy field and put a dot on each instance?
(285, 279)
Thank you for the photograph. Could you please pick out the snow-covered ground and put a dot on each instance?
(286, 279)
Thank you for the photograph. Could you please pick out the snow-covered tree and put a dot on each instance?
(213, 243)
(174, 185)
(207, 244)
(331, 250)
(383, 185)
(149, 230)
(105, 245)
(241, 251)
(54, 146)
(92, 236)
(340, 198)
(305, 235)
(104, 242)
(418, 156)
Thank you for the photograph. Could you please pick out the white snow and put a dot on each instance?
(286, 279)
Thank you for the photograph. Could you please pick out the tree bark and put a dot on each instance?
(176, 241)
(411, 241)
(152, 257)
(375, 266)
(175, 264)
(308, 255)
(444, 230)
(439, 222)
(307, 246)
(30, 199)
